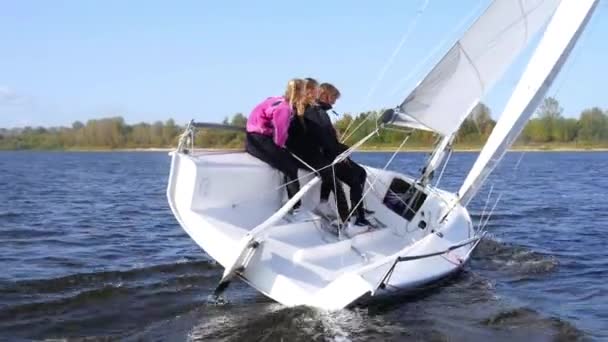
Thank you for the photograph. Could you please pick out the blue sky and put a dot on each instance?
(62, 61)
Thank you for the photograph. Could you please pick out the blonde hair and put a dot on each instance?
(294, 91)
(306, 98)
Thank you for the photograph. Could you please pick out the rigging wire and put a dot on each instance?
(391, 59)
(434, 52)
(404, 38)
(483, 228)
(356, 128)
(353, 207)
(447, 160)
(485, 207)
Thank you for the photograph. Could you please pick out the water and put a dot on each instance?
(89, 248)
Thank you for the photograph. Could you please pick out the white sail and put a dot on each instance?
(560, 37)
(471, 67)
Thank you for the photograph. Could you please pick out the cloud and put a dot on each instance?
(9, 97)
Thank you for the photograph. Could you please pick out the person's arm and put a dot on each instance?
(280, 120)
(324, 134)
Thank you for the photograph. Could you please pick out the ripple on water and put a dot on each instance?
(89, 245)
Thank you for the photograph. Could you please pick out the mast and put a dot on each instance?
(559, 39)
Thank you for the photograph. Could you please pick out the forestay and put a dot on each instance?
(559, 39)
(443, 99)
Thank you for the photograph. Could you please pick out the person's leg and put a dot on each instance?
(329, 183)
(354, 176)
(325, 191)
(264, 148)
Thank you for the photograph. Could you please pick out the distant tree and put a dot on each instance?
(170, 132)
(550, 113)
(478, 126)
(593, 125)
(547, 126)
(550, 108)
(570, 130)
(77, 125)
(239, 120)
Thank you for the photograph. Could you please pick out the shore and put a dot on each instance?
(371, 149)
(366, 149)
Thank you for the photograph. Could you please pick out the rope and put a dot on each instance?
(490, 214)
(333, 173)
(356, 128)
(376, 177)
(516, 167)
(351, 149)
(386, 278)
(380, 196)
(348, 128)
(447, 160)
(483, 212)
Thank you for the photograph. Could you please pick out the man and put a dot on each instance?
(346, 171)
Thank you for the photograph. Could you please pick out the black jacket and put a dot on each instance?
(302, 135)
(331, 147)
(313, 135)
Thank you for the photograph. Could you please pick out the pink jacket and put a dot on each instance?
(271, 117)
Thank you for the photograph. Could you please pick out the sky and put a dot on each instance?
(66, 61)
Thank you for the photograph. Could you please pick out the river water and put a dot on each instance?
(89, 248)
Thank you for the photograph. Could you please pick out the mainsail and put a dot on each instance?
(559, 39)
(442, 100)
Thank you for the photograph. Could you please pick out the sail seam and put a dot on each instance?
(466, 55)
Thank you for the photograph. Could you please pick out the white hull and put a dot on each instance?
(218, 198)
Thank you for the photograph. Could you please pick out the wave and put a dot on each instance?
(80, 280)
(9, 214)
(513, 259)
(477, 215)
(27, 234)
(527, 319)
(96, 301)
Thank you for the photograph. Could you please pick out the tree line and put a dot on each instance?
(547, 128)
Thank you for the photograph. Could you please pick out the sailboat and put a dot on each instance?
(234, 207)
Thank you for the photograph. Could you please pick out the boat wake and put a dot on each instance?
(171, 302)
(514, 262)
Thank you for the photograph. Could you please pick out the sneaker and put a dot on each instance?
(362, 221)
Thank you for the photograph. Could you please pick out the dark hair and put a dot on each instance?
(330, 89)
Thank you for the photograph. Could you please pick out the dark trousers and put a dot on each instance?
(263, 147)
(354, 176)
(329, 183)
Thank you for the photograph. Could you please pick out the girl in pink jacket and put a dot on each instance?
(267, 127)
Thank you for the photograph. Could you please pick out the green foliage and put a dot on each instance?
(548, 127)
(106, 133)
